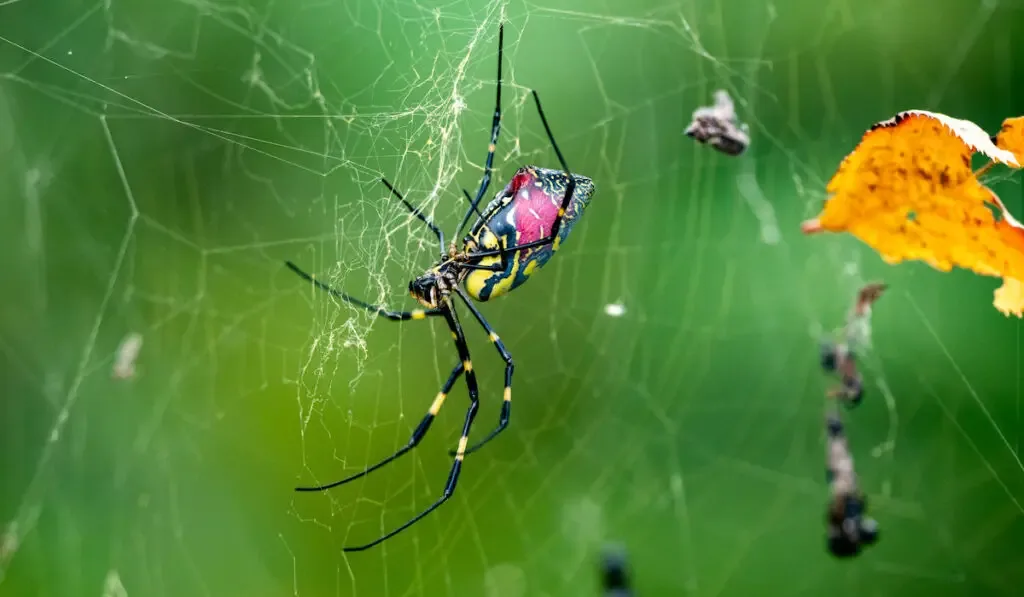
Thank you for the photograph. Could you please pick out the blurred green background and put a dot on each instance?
(161, 160)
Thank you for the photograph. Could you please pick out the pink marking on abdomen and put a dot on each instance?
(534, 214)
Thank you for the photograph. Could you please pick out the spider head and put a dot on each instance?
(425, 290)
(434, 286)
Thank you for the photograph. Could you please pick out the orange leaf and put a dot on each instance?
(908, 191)
(1011, 137)
(1010, 297)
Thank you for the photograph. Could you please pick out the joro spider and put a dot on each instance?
(517, 233)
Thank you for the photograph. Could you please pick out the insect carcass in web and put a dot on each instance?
(127, 355)
(849, 528)
(841, 357)
(717, 126)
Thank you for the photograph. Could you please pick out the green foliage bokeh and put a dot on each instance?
(161, 161)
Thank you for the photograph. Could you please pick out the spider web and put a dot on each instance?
(161, 165)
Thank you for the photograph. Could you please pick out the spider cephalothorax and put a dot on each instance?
(437, 283)
(515, 235)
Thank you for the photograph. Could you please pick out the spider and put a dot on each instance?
(515, 235)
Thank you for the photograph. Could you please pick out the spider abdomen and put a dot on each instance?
(523, 212)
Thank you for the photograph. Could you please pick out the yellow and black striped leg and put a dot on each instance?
(414, 440)
(474, 402)
(381, 311)
(505, 257)
(485, 182)
(506, 404)
(570, 188)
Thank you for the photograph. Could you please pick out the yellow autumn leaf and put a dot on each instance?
(908, 191)
(1011, 137)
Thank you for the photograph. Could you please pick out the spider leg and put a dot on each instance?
(417, 435)
(381, 311)
(494, 267)
(416, 212)
(448, 311)
(506, 405)
(472, 205)
(492, 146)
(570, 187)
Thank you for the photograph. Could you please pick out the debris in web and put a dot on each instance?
(908, 191)
(858, 321)
(127, 354)
(840, 357)
(717, 126)
(615, 572)
(615, 310)
(849, 528)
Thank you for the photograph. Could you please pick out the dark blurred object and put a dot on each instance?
(848, 527)
(829, 356)
(716, 125)
(840, 358)
(615, 573)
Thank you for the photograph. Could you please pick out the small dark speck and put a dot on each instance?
(911, 216)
